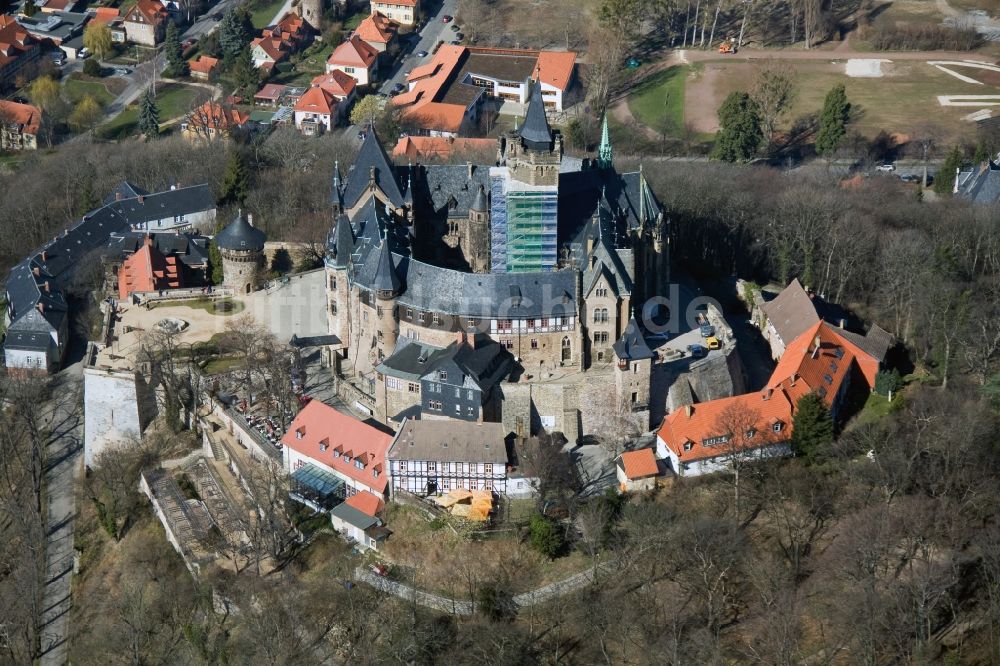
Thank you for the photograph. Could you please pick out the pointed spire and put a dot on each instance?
(386, 282)
(343, 241)
(605, 156)
(642, 195)
(480, 204)
(408, 195)
(338, 189)
(536, 133)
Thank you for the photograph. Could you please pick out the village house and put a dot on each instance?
(146, 22)
(342, 87)
(357, 519)
(19, 126)
(378, 31)
(356, 58)
(316, 112)
(707, 437)
(109, 16)
(50, 6)
(213, 121)
(637, 470)
(204, 68)
(289, 35)
(432, 457)
(18, 50)
(140, 262)
(332, 456)
(424, 148)
(404, 12)
(57, 28)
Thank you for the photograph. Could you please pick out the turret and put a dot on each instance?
(242, 248)
(387, 287)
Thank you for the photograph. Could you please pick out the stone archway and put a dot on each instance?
(567, 350)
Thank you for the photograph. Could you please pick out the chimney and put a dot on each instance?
(43, 255)
(142, 199)
(40, 306)
(250, 219)
(472, 337)
(816, 343)
(689, 410)
(843, 323)
(46, 286)
(37, 272)
(766, 395)
(471, 169)
(118, 196)
(461, 338)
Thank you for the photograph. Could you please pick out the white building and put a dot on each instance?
(432, 457)
(111, 411)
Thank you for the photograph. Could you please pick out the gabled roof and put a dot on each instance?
(631, 346)
(410, 360)
(28, 117)
(274, 49)
(639, 464)
(354, 52)
(371, 157)
(337, 83)
(555, 68)
(437, 116)
(459, 441)
(317, 100)
(354, 517)
(216, 116)
(817, 361)
(982, 186)
(327, 436)
(876, 342)
(366, 503)
(105, 15)
(430, 147)
(203, 64)
(271, 92)
(791, 312)
(536, 132)
(377, 28)
(153, 11)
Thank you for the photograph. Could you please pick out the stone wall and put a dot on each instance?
(529, 407)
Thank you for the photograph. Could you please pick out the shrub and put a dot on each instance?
(888, 36)
(546, 537)
(91, 67)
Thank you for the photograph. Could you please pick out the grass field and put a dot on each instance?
(659, 101)
(902, 101)
(265, 16)
(76, 90)
(174, 100)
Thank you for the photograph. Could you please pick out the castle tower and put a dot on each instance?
(242, 248)
(387, 287)
(339, 247)
(476, 242)
(312, 13)
(633, 369)
(526, 189)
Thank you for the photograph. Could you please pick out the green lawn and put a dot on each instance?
(265, 16)
(174, 100)
(355, 20)
(223, 306)
(77, 89)
(658, 102)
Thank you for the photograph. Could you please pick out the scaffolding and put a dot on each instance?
(531, 230)
(498, 224)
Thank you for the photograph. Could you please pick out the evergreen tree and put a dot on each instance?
(214, 263)
(176, 64)
(833, 121)
(945, 179)
(29, 9)
(813, 427)
(739, 135)
(545, 536)
(236, 181)
(246, 76)
(235, 32)
(149, 115)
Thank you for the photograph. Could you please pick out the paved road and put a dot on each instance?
(65, 420)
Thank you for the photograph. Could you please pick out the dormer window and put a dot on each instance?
(299, 433)
(336, 454)
(375, 473)
(358, 463)
(688, 446)
(443, 375)
(751, 433)
(324, 445)
(778, 426)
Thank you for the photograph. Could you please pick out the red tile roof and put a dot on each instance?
(15, 41)
(639, 464)
(104, 15)
(437, 116)
(27, 116)
(425, 147)
(556, 68)
(274, 49)
(316, 100)
(401, 3)
(217, 116)
(271, 92)
(377, 28)
(152, 10)
(337, 440)
(203, 64)
(355, 52)
(366, 503)
(337, 83)
(148, 270)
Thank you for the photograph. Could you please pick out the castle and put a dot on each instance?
(541, 256)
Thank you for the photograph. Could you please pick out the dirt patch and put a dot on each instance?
(703, 96)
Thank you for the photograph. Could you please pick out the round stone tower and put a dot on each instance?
(312, 11)
(242, 248)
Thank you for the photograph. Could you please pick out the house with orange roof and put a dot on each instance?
(116, 24)
(19, 126)
(378, 31)
(212, 121)
(276, 43)
(423, 148)
(637, 470)
(148, 270)
(356, 58)
(404, 12)
(556, 73)
(342, 86)
(18, 50)
(707, 437)
(316, 112)
(204, 67)
(357, 519)
(332, 456)
(146, 22)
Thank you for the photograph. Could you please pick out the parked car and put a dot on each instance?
(910, 178)
(446, 19)
(712, 342)
(421, 54)
(455, 42)
(83, 53)
(398, 88)
(361, 136)
(460, 36)
(454, 28)
(58, 57)
(697, 351)
(886, 167)
(707, 330)
(19, 99)
(188, 43)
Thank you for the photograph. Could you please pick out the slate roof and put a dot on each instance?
(190, 249)
(340, 245)
(127, 191)
(535, 131)
(983, 186)
(632, 346)
(451, 187)
(792, 312)
(371, 156)
(240, 235)
(482, 366)
(410, 359)
(386, 279)
(460, 441)
(876, 342)
(481, 202)
(583, 193)
(354, 517)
